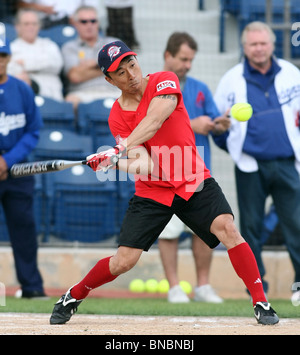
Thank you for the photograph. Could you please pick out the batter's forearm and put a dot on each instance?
(141, 164)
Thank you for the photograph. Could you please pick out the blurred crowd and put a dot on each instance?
(65, 71)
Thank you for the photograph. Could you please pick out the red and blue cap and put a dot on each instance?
(111, 54)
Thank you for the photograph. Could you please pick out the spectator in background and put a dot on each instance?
(120, 21)
(36, 60)
(86, 80)
(178, 57)
(55, 12)
(19, 133)
(265, 149)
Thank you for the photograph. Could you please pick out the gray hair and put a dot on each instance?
(21, 12)
(84, 7)
(257, 26)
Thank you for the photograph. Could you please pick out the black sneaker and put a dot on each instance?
(265, 314)
(64, 308)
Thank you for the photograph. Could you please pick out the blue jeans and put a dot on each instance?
(16, 196)
(280, 179)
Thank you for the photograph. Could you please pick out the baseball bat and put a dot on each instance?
(42, 167)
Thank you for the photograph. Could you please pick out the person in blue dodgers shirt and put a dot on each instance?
(20, 122)
(265, 149)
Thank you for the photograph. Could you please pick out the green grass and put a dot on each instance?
(152, 306)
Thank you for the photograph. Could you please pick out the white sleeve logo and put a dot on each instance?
(9, 123)
(166, 84)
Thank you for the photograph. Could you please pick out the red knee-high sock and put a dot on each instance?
(244, 263)
(97, 276)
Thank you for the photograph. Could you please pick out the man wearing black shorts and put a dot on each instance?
(153, 131)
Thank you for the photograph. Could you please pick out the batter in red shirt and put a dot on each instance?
(149, 120)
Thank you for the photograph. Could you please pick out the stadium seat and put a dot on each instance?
(93, 120)
(253, 7)
(255, 10)
(62, 144)
(56, 114)
(84, 208)
(231, 6)
(56, 144)
(60, 34)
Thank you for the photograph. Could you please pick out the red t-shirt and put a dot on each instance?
(178, 167)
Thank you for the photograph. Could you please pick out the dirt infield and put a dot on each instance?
(38, 324)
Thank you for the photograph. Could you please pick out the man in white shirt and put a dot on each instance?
(34, 58)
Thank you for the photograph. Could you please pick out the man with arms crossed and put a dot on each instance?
(151, 119)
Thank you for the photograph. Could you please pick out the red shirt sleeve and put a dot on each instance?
(167, 83)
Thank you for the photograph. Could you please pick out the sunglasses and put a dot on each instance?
(84, 22)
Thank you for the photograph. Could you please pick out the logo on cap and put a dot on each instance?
(113, 52)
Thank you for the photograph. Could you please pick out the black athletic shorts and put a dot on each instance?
(145, 219)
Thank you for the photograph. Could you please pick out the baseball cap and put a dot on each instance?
(5, 47)
(111, 54)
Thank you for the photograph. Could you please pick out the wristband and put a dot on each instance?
(121, 150)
